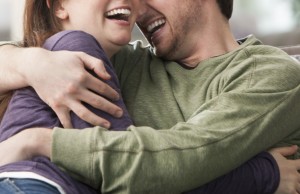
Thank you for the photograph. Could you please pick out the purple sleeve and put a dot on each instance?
(259, 175)
(83, 42)
(26, 110)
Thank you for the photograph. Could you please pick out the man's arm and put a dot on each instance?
(258, 175)
(60, 79)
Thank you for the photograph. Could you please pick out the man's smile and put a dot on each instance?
(151, 28)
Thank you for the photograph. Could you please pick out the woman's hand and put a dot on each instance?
(61, 80)
(25, 145)
(289, 175)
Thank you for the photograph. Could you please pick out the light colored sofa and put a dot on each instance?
(294, 51)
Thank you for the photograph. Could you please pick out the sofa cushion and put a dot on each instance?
(294, 51)
(297, 57)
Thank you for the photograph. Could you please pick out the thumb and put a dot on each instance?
(285, 151)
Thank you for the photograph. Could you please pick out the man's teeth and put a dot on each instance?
(155, 24)
(119, 11)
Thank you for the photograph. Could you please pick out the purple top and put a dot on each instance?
(27, 110)
(259, 175)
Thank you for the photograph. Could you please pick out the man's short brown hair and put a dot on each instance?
(226, 7)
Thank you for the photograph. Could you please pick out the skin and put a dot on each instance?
(198, 50)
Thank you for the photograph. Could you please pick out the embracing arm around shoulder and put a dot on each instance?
(59, 78)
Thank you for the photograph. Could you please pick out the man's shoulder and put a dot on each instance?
(266, 54)
(273, 66)
(264, 66)
(255, 47)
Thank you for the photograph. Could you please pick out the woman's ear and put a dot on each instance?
(59, 9)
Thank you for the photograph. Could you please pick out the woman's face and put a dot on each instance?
(109, 21)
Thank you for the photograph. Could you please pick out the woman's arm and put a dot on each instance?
(21, 67)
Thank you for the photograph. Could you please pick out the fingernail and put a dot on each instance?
(108, 75)
(117, 97)
(119, 113)
(106, 125)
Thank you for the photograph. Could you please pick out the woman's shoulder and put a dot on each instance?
(67, 38)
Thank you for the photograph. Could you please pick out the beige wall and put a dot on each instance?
(16, 19)
(11, 14)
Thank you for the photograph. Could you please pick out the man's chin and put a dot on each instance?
(161, 53)
(157, 52)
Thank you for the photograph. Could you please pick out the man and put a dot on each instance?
(219, 97)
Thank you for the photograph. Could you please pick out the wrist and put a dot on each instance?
(27, 64)
(39, 142)
(11, 77)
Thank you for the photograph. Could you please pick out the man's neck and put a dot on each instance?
(212, 45)
(212, 37)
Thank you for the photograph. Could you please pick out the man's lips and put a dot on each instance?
(155, 25)
(150, 27)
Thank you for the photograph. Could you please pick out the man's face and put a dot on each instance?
(168, 25)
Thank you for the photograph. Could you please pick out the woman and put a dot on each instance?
(57, 25)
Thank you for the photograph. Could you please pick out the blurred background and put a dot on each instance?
(275, 22)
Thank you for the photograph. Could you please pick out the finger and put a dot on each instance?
(88, 116)
(101, 88)
(64, 118)
(286, 151)
(101, 103)
(95, 64)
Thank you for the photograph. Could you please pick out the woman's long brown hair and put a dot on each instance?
(39, 23)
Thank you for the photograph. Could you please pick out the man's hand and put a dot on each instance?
(25, 145)
(61, 80)
(289, 175)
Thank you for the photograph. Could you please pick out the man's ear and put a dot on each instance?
(59, 8)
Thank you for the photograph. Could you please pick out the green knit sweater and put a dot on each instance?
(191, 125)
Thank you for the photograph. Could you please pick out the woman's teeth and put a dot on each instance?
(114, 12)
